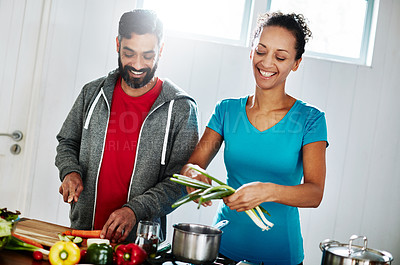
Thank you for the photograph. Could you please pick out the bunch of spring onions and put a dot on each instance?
(205, 192)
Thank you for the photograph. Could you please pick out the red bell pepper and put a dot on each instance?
(130, 254)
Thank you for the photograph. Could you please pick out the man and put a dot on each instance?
(126, 134)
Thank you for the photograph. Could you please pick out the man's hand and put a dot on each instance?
(71, 187)
(119, 225)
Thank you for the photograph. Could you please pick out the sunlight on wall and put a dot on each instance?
(201, 17)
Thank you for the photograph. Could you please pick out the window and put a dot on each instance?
(205, 19)
(341, 29)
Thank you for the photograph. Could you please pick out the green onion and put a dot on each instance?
(192, 184)
(189, 197)
(217, 188)
(252, 214)
(205, 192)
(216, 195)
(263, 210)
(200, 170)
(268, 223)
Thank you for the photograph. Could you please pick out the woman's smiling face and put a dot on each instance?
(273, 57)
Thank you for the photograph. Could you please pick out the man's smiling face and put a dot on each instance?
(138, 59)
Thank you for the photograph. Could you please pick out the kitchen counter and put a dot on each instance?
(47, 234)
(12, 257)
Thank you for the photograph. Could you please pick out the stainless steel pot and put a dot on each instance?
(196, 243)
(336, 253)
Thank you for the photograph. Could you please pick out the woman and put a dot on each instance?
(271, 140)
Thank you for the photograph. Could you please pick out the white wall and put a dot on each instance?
(363, 175)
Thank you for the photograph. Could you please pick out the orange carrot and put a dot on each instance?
(66, 233)
(86, 233)
(28, 241)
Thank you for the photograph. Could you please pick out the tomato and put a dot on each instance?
(37, 255)
(83, 255)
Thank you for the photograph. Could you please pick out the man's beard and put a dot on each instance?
(136, 82)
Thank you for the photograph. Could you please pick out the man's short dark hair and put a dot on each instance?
(140, 21)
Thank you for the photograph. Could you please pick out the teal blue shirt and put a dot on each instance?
(273, 155)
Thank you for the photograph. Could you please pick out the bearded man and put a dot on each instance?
(125, 135)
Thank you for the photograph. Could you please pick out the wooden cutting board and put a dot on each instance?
(42, 232)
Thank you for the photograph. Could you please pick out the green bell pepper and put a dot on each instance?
(99, 254)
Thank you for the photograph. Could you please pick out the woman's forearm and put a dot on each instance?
(303, 195)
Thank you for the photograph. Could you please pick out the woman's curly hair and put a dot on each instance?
(295, 23)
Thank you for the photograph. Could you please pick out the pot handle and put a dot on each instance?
(221, 224)
(354, 237)
(324, 245)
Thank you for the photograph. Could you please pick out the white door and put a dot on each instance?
(48, 50)
(20, 23)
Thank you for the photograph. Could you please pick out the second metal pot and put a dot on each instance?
(196, 243)
(336, 253)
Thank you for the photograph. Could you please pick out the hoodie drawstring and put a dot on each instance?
(101, 93)
(167, 128)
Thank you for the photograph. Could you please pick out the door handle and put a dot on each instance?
(15, 135)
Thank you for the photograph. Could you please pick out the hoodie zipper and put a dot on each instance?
(171, 103)
(167, 127)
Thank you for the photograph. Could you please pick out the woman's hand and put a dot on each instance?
(249, 196)
(191, 173)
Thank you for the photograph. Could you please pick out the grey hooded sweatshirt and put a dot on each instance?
(167, 138)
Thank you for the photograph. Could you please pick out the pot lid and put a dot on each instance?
(355, 252)
(359, 254)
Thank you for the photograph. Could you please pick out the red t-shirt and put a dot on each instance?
(126, 119)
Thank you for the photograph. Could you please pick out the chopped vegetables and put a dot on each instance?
(205, 192)
(69, 238)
